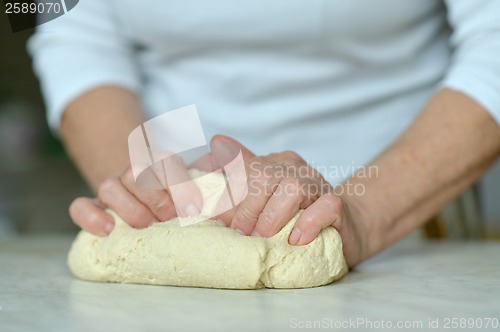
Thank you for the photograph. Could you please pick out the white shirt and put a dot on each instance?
(336, 81)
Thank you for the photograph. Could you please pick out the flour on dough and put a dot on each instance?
(206, 254)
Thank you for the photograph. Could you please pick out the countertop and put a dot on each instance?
(418, 284)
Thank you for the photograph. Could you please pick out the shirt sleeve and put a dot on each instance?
(79, 51)
(475, 67)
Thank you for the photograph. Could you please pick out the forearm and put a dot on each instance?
(448, 147)
(95, 128)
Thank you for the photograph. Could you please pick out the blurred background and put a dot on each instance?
(38, 182)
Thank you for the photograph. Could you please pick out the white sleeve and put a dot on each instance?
(475, 67)
(79, 51)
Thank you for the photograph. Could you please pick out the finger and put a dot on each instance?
(225, 149)
(158, 201)
(204, 163)
(113, 193)
(183, 191)
(322, 213)
(261, 187)
(90, 215)
(281, 207)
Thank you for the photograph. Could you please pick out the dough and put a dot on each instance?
(206, 254)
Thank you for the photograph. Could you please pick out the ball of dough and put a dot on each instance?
(206, 254)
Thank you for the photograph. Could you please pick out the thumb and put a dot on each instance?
(225, 149)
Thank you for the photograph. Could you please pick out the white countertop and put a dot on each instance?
(414, 282)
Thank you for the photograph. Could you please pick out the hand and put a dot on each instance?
(139, 206)
(281, 184)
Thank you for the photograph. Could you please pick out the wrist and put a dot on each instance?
(372, 224)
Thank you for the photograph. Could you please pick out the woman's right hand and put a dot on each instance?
(139, 206)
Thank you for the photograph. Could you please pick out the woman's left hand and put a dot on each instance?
(281, 184)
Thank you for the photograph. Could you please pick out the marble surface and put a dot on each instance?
(418, 284)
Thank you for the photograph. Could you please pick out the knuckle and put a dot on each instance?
(260, 179)
(291, 159)
(245, 215)
(107, 186)
(128, 177)
(257, 171)
(334, 203)
(273, 157)
(290, 186)
(292, 182)
(159, 206)
(290, 154)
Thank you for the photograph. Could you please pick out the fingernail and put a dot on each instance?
(255, 233)
(239, 231)
(191, 210)
(109, 227)
(295, 237)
